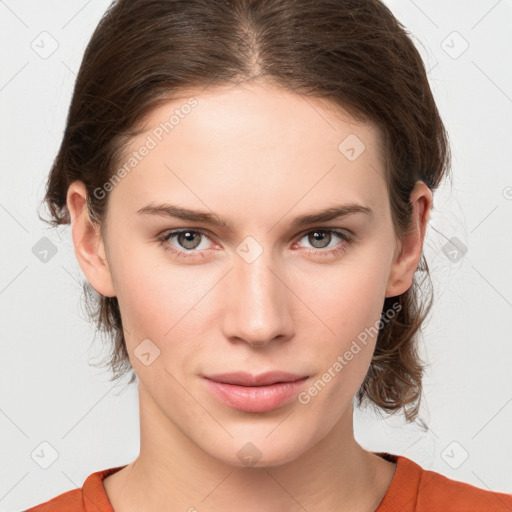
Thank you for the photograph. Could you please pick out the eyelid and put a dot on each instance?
(344, 231)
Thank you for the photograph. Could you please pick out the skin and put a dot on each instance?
(273, 156)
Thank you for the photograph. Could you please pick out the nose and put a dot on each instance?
(257, 306)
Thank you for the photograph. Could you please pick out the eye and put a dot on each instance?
(188, 241)
(321, 239)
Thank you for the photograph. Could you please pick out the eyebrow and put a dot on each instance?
(335, 212)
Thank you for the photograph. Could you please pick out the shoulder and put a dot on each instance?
(70, 500)
(436, 490)
(89, 498)
(414, 489)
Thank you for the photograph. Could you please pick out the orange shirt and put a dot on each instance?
(413, 489)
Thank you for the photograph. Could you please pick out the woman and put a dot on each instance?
(249, 185)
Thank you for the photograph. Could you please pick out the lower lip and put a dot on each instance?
(255, 398)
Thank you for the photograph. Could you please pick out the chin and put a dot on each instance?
(262, 449)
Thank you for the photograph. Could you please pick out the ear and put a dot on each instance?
(89, 247)
(408, 253)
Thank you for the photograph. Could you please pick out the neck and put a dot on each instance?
(333, 474)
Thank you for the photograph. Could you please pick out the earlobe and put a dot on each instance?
(89, 246)
(408, 253)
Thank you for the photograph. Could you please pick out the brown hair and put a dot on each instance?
(354, 53)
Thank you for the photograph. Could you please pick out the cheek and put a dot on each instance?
(174, 305)
(154, 292)
(352, 309)
(349, 297)
(350, 303)
(165, 303)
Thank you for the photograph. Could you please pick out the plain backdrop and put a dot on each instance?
(60, 417)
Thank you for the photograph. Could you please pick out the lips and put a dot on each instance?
(255, 393)
(262, 379)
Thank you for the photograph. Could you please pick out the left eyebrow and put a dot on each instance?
(335, 212)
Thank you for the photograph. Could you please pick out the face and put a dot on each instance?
(263, 288)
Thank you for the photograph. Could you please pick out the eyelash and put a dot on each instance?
(166, 236)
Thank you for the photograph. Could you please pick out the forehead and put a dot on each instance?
(260, 113)
(255, 141)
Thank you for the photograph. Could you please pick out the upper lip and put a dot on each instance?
(261, 379)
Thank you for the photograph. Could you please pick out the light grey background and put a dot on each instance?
(51, 394)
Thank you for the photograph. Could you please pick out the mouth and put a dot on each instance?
(254, 393)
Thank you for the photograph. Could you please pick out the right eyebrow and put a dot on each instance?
(171, 210)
